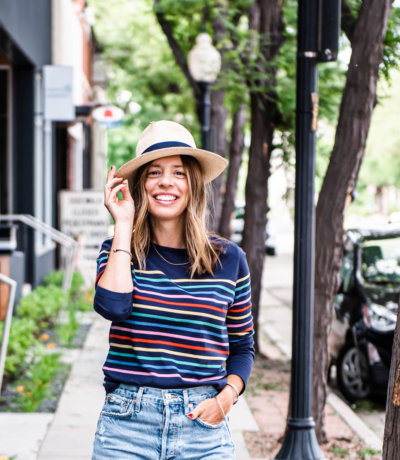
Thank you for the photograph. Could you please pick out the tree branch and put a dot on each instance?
(179, 56)
(348, 21)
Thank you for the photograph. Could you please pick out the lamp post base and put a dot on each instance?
(300, 442)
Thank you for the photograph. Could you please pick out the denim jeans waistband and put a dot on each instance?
(186, 396)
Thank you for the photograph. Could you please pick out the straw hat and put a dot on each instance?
(166, 138)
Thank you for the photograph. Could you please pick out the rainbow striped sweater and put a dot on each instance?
(174, 331)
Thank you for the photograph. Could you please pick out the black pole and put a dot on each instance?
(300, 442)
(206, 116)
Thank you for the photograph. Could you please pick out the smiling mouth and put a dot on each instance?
(165, 198)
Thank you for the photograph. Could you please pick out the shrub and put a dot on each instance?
(36, 382)
(56, 277)
(22, 338)
(42, 305)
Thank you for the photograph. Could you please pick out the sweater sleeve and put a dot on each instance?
(240, 325)
(114, 306)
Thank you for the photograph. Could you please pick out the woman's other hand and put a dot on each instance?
(120, 210)
(209, 410)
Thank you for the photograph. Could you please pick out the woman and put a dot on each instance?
(181, 346)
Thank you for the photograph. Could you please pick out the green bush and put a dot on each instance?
(42, 305)
(22, 339)
(56, 277)
(38, 312)
(36, 382)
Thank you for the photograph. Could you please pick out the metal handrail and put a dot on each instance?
(7, 323)
(59, 237)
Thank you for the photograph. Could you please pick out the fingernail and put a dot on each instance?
(190, 416)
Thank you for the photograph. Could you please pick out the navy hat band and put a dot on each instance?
(165, 145)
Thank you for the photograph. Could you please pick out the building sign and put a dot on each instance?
(109, 116)
(57, 93)
(84, 217)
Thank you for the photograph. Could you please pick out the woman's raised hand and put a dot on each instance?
(120, 210)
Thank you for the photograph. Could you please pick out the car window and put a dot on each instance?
(381, 261)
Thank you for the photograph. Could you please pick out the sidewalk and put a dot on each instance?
(68, 434)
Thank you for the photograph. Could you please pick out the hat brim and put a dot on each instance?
(211, 164)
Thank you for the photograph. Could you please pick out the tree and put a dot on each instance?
(391, 438)
(366, 29)
(265, 17)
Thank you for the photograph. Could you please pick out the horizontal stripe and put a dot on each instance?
(242, 279)
(241, 324)
(242, 287)
(241, 295)
(177, 320)
(185, 379)
(172, 310)
(175, 327)
(173, 289)
(168, 352)
(187, 296)
(167, 302)
(163, 358)
(176, 336)
(190, 280)
(241, 302)
(153, 366)
(239, 317)
(171, 344)
(239, 310)
(150, 272)
(190, 286)
(246, 332)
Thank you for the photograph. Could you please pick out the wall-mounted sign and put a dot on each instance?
(84, 217)
(57, 93)
(109, 116)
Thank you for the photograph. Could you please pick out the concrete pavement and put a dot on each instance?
(68, 434)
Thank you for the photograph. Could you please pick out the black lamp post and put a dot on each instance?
(317, 42)
(204, 63)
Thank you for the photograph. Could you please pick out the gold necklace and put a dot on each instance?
(165, 260)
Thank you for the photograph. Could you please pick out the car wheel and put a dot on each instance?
(353, 374)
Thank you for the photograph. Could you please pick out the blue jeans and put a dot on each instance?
(143, 423)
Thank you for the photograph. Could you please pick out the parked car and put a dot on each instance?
(237, 225)
(365, 312)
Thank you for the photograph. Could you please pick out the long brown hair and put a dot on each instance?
(203, 252)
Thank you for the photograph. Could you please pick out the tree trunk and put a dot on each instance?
(354, 120)
(256, 201)
(391, 437)
(266, 17)
(235, 160)
(219, 115)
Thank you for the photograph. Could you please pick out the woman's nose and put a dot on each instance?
(165, 180)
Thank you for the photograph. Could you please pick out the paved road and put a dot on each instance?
(276, 316)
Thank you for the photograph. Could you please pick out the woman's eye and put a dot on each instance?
(180, 173)
(153, 173)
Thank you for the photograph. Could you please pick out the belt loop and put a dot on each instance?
(139, 399)
(186, 401)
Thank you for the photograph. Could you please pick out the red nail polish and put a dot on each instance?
(190, 416)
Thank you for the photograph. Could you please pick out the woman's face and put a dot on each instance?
(167, 188)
